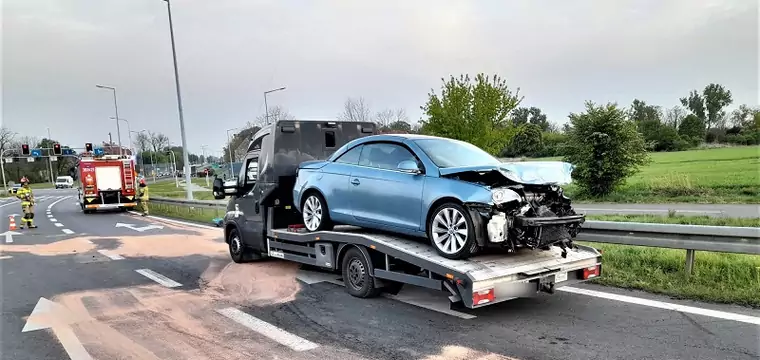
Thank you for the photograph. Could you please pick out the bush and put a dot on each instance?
(605, 147)
(692, 128)
(554, 144)
(525, 142)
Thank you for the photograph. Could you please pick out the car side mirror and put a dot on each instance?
(221, 190)
(409, 166)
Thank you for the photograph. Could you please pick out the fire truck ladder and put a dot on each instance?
(129, 176)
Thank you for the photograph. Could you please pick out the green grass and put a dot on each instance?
(42, 185)
(718, 175)
(170, 189)
(680, 219)
(198, 214)
(717, 277)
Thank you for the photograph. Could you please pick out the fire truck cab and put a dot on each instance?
(107, 182)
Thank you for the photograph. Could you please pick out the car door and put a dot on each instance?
(383, 195)
(336, 186)
(250, 222)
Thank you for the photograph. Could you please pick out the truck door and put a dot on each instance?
(252, 224)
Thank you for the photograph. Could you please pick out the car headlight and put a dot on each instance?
(501, 196)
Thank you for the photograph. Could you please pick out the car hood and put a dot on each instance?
(528, 172)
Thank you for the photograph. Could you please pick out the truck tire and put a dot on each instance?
(238, 251)
(314, 213)
(356, 275)
(451, 232)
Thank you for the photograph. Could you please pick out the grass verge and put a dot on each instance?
(170, 189)
(680, 219)
(717, 277)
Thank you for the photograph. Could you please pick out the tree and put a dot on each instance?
(355, 109)
(709, 105)
(158, 141)
(674, 116)
(527, 141)
(692, 128)
(476, 113)
(143, 141)
(6, 138)
(276, 113)
(532, 115)
(744, 116)
(605, 148)
(386, 117)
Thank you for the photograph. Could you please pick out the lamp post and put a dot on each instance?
(185, 155)
(229, 149)
(50, 162)
(116, 108)
(266, 108)
(129, 129)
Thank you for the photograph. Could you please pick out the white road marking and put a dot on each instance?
(53, 219)
(67, 231)
(9, 203)
(163, 280)
(50, 207)
(110, 255)
(5, 257)
(178, 221)
(47, 314)
(58, 224)
(283, 337)
(664, 305)
(50, 216)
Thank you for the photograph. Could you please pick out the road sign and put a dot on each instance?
(36, 152)
(99, 151)
(67, 151)
(30, 159)
(53, 158)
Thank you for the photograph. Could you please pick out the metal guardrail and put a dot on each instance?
(692, 238)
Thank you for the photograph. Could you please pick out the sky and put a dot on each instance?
(391, 52)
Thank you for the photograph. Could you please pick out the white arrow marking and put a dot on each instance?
(47, 314)
(9, 236)
(140, 229)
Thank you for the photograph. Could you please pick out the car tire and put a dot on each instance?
(356, 275)
(447, 218)
(238, 251)
(314, 207)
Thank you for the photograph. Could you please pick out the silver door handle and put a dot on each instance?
(355, 181)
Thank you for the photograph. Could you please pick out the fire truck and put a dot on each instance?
(107, 182)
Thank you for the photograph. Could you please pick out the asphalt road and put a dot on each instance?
(714, 210)
(152, 289)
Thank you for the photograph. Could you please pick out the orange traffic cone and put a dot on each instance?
(12, 220)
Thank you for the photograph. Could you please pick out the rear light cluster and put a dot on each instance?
(591, 272)
(483, 297)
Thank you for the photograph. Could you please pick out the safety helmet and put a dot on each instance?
(142, 182)
(24, 180)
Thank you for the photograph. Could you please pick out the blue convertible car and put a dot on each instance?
(451, 192)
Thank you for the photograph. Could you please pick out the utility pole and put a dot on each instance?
(50, 161)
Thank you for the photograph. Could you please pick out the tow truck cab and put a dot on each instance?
(267, 175)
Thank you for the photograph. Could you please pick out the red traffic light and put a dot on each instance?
(25, 149)
(88, 147)
(57, 149)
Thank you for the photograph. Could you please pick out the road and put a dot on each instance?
(714, 210)
(119, 286)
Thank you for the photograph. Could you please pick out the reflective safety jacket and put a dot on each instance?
(25, 195)
(144, 193)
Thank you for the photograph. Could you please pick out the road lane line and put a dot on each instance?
(53, 219)
(67, 231)
(664, 305)
(8, 203)
(262, 327)
(58, 224)
(111, 255)
(50, 207)
(163, 280)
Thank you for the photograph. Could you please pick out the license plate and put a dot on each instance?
(559, 277)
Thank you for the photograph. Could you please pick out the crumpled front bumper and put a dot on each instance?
(552, 220)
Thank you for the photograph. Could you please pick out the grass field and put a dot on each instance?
(170, 189)
(680, 219)
(720, 175)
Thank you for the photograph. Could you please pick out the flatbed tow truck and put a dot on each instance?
(261, 222)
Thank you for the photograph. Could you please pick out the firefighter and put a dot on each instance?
(143, 197)
(27, 204)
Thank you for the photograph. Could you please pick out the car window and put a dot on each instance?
(384, 156)
(252, 171)
(453, 153)
(351, 156)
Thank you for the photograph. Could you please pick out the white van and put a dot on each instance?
(63, 182)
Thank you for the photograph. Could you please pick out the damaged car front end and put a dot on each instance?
(528, 207)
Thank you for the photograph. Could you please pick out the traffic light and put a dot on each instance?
(57, 149)
(88, 147)
(25, 149)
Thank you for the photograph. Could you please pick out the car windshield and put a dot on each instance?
(61, 179)
(453, 153)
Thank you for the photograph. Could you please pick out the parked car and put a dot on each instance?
(453, 193)
(14, 188)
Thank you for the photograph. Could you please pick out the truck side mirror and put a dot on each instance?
(221, 190)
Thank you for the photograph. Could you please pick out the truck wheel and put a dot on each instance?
(238, 251)
(451, 232)
(315, 214)
(356, 275)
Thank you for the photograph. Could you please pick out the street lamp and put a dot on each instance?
(129, 128)
(266, 108)
(229, 149)
(116, 108)
(185, 155)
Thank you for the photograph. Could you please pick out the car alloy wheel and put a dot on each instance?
(449, 230)
(312, 213)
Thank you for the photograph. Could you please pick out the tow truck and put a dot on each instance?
(262, 222)
(106, 182)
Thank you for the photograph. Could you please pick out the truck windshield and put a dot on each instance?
(447, 153)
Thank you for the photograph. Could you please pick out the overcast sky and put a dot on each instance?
(391, 52)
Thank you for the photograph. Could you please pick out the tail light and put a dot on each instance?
(591, 272)
(482, 297)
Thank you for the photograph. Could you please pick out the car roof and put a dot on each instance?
(396, 137)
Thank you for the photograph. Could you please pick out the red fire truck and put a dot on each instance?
(107, 182)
